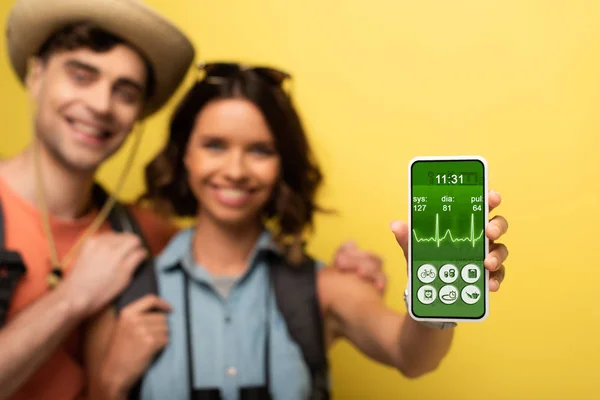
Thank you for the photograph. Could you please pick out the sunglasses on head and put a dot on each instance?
(218, 71)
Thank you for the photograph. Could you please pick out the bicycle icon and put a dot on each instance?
(428, 273)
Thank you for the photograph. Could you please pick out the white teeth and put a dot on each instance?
(233, 194)
(87, 129)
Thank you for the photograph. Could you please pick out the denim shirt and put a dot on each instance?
(227, 334)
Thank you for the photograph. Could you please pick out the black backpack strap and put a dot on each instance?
(12, 268)
(296, 293)
(144, 279)
(2, 240)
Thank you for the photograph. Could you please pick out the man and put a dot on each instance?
(90, 82)
(93, 69)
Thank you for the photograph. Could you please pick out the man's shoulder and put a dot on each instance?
(157, 228)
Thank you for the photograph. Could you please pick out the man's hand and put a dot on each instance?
(498, 253)
(141, 332)
(367, 265)
(102, 270)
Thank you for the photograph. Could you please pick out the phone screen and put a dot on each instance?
(448, 212)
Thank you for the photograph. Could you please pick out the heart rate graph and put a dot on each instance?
(437, 239)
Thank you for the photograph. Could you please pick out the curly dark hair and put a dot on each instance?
(292, 205)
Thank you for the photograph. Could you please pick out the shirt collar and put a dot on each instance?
(178, 252)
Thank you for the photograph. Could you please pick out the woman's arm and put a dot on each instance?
(118, 350)
(357, 311)
(99, 333)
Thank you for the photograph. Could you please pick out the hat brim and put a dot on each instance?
(169, 51)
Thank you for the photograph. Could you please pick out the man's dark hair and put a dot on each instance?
(86, 35)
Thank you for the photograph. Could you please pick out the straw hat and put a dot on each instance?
(31, 22)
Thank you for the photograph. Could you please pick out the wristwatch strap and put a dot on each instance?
(430, 324)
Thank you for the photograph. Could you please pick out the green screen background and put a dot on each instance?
(460, 239)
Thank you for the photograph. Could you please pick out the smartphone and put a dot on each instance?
(448, 209)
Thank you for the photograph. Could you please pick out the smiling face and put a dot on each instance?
(232, 162)
(87, 103)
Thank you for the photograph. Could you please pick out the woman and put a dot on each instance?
(239, 161)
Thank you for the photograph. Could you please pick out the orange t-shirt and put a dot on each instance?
(62, 376)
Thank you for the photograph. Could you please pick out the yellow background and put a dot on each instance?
(380, 81)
